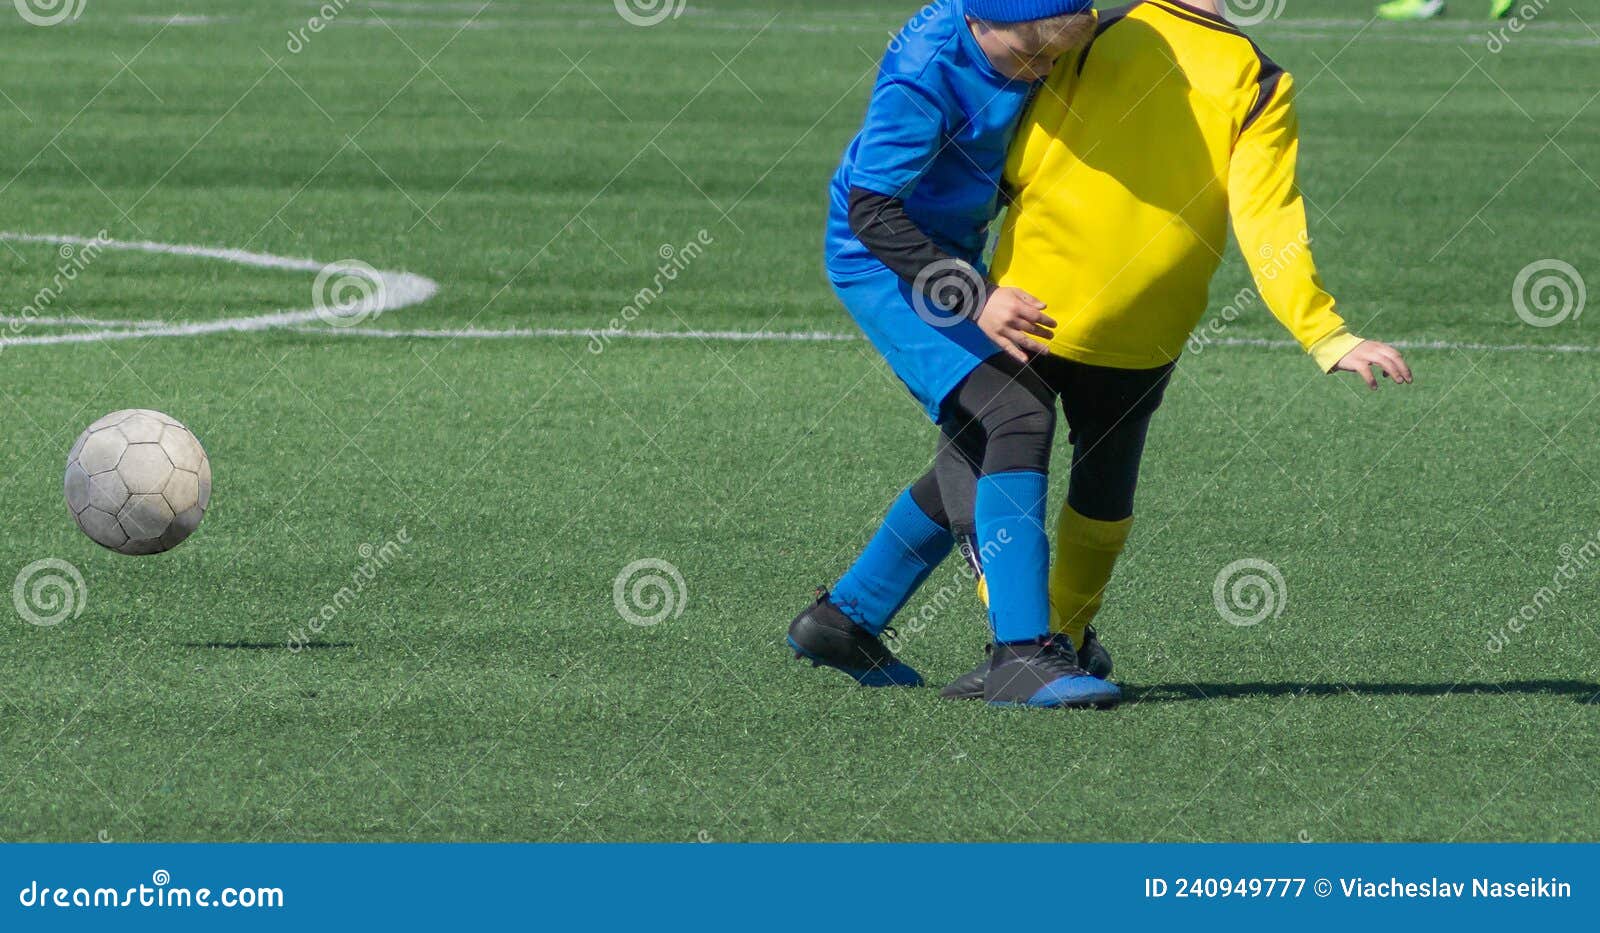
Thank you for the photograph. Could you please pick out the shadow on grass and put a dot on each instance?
(1581, 691)
(267, 645)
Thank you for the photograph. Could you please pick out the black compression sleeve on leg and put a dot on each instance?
(926, 493)
(957, 470)
(1005, 411)
(1105, 470)
(883, 227)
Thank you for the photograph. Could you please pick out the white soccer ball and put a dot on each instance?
(138, 482)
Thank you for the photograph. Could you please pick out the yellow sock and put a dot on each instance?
(1086, 552)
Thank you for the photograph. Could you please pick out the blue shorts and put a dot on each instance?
(930, 358)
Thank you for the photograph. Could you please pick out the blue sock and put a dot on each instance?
(1016, 549)
(906, 548)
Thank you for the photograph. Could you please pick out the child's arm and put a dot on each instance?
(903, 133)
(1269, 220)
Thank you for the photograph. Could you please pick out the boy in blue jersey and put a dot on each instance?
(910, 206)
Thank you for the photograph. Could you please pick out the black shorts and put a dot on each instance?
(1097, 399)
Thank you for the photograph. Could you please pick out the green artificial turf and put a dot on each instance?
(473, 678)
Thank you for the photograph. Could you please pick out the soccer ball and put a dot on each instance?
(138, 482)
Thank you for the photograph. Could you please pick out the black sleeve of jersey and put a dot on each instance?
(883, 227)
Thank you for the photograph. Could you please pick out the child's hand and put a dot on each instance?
(1370, 353)
(1012, 318)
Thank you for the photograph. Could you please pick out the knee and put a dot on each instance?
(1019, 436)
(927, 495)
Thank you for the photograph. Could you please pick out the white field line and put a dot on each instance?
(403, 289)
(1292, 30)
(415, 15)
(1420, 345)
(781, 336)
(43, 321)
(589, 333)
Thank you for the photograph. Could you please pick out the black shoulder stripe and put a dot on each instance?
(1111, 16)
(1107, 19)
(1200, 17)
(1266, 86)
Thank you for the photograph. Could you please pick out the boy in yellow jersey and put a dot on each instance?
(1124, 177)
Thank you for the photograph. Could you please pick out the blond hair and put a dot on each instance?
(1064, 32)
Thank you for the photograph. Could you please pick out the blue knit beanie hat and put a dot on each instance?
(1021, 11)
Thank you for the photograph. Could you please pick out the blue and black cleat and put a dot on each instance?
(1092, 657)
(1044, 674)
(825, 636)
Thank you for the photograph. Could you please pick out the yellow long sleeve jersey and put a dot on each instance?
(1125, 173)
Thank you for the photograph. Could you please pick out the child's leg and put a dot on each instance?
(913, 539)
(1093, 526)
(1006, 412)
(1110, 411)
(957, 469)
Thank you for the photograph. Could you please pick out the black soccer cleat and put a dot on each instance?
(1044, 674)
(969, 686)
(1092, 657)
(825, 636)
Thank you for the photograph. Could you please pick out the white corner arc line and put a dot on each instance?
(398, 290)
